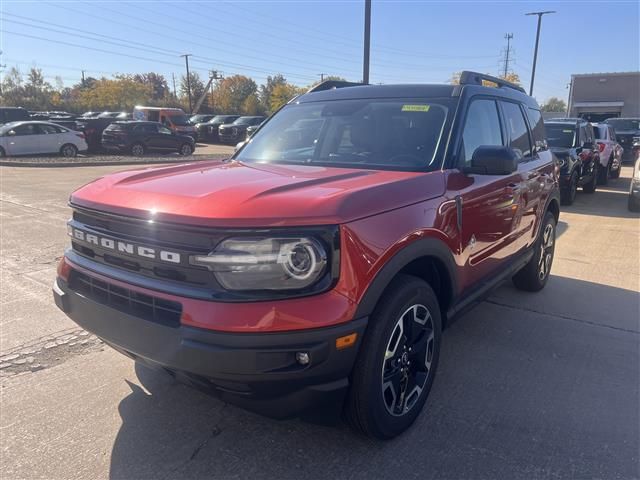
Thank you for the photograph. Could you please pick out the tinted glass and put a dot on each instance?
(29, 129)
(516, 128)
(537, 129)
(49, 129)
(621, 124)
(561, 136)
(367, 133)
(600, 132)
(180, 120)
(481, 127)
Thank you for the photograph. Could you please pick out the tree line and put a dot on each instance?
(235, 94)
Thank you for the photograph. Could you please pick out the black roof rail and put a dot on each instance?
(475, 78)
(330, 84)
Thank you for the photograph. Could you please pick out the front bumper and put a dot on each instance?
(257, 371)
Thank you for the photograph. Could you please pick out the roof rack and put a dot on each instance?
(475, 78)
(331, 84)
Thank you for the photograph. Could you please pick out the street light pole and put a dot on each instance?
(367, 41)
(186, 61)
(535, 52)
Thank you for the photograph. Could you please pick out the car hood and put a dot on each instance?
(257, 195)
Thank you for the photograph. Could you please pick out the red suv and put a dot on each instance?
(318, 266)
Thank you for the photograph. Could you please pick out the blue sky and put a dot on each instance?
(419, 41)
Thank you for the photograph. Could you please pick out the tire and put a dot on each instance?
(603, 173)
(568, 195)
(185, 149)
(2, 153)
(372, 406)
(137, 149)
(68, 150)
(535, 274)
(591, 186)
(633, 204)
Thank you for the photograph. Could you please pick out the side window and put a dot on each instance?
(516, 128)
(537, 129)
(481, 127)
(48, 129)
(29, 129)
(164, 130)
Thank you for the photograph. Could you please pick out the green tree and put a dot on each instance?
(252, 105)
(554, 104)
(231, 92)
(281, 94)
(12, 88)
(156, 83)
(197, 89)
(267, 89)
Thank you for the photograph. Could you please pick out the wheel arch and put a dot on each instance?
(428, 259)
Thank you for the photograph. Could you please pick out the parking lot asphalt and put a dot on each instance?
(539, 385)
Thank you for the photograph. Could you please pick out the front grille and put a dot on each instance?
(133, 303)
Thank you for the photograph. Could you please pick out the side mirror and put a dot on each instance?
(11, 133)
(493, 160)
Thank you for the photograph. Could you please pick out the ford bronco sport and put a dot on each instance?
(318, 266)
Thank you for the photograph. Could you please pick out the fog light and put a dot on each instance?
(302, 358)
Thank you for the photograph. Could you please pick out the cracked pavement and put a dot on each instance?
(529, 386)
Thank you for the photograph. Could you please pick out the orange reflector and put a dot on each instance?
(346, 341)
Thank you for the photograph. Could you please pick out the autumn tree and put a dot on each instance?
(231, 93)
(121, 93)
(281, 94)
(267, 89)
(197, 90)
(554, 104)
(157, 84)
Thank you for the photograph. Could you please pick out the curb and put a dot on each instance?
(88, 163)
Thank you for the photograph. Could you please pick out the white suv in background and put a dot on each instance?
(31, 138)
(610, 152)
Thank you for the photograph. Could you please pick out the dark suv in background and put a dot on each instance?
(237, 131)
(208, 131)
(627, 133)
(138, 137)
(573, 143)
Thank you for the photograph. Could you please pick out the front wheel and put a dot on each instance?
(534, 275)
(185, 149)
(68, 151)
(397, 362)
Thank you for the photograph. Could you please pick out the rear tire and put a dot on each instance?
(185, 149)
(397, 361)
(137, 149)
(534, 275)
(591, 186)
(568, 195)
(603, 173)
(68, 150)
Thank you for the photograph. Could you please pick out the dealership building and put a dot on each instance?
(597, 96)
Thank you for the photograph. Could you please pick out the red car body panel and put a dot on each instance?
(239, 195)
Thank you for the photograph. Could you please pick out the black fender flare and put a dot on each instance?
(423, 247)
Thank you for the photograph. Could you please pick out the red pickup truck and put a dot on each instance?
(318, 266)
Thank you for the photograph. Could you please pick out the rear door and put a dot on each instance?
(50, 138)
(488, 202)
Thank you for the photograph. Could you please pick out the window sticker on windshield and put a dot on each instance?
(567, 131)
(415, 108)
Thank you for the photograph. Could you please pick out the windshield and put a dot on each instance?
(198, 118)
(222, 119)
(243, 121)
(558, 135)
(368, 133)
(180, 120)
(7, 126)
(620, 124)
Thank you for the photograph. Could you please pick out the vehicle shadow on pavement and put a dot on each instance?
(608, 201)
(528, 387)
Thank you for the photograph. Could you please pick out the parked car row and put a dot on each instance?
(227, 128)
(588, 154)
(33, 137)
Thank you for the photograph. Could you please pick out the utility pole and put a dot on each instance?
(507, 53)
(82, 77)
(322, 76)
(186, 61)
(367, 41)
(535, 52)
(570, 87)
(2, 67)
(173, 76)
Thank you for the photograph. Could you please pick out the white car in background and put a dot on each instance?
(610, 152)
(31, 138)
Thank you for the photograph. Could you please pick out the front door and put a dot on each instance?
(23, 140)
(491, 205)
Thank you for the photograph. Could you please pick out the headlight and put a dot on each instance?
(292, 263)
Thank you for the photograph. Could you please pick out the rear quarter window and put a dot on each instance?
(537, 129)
